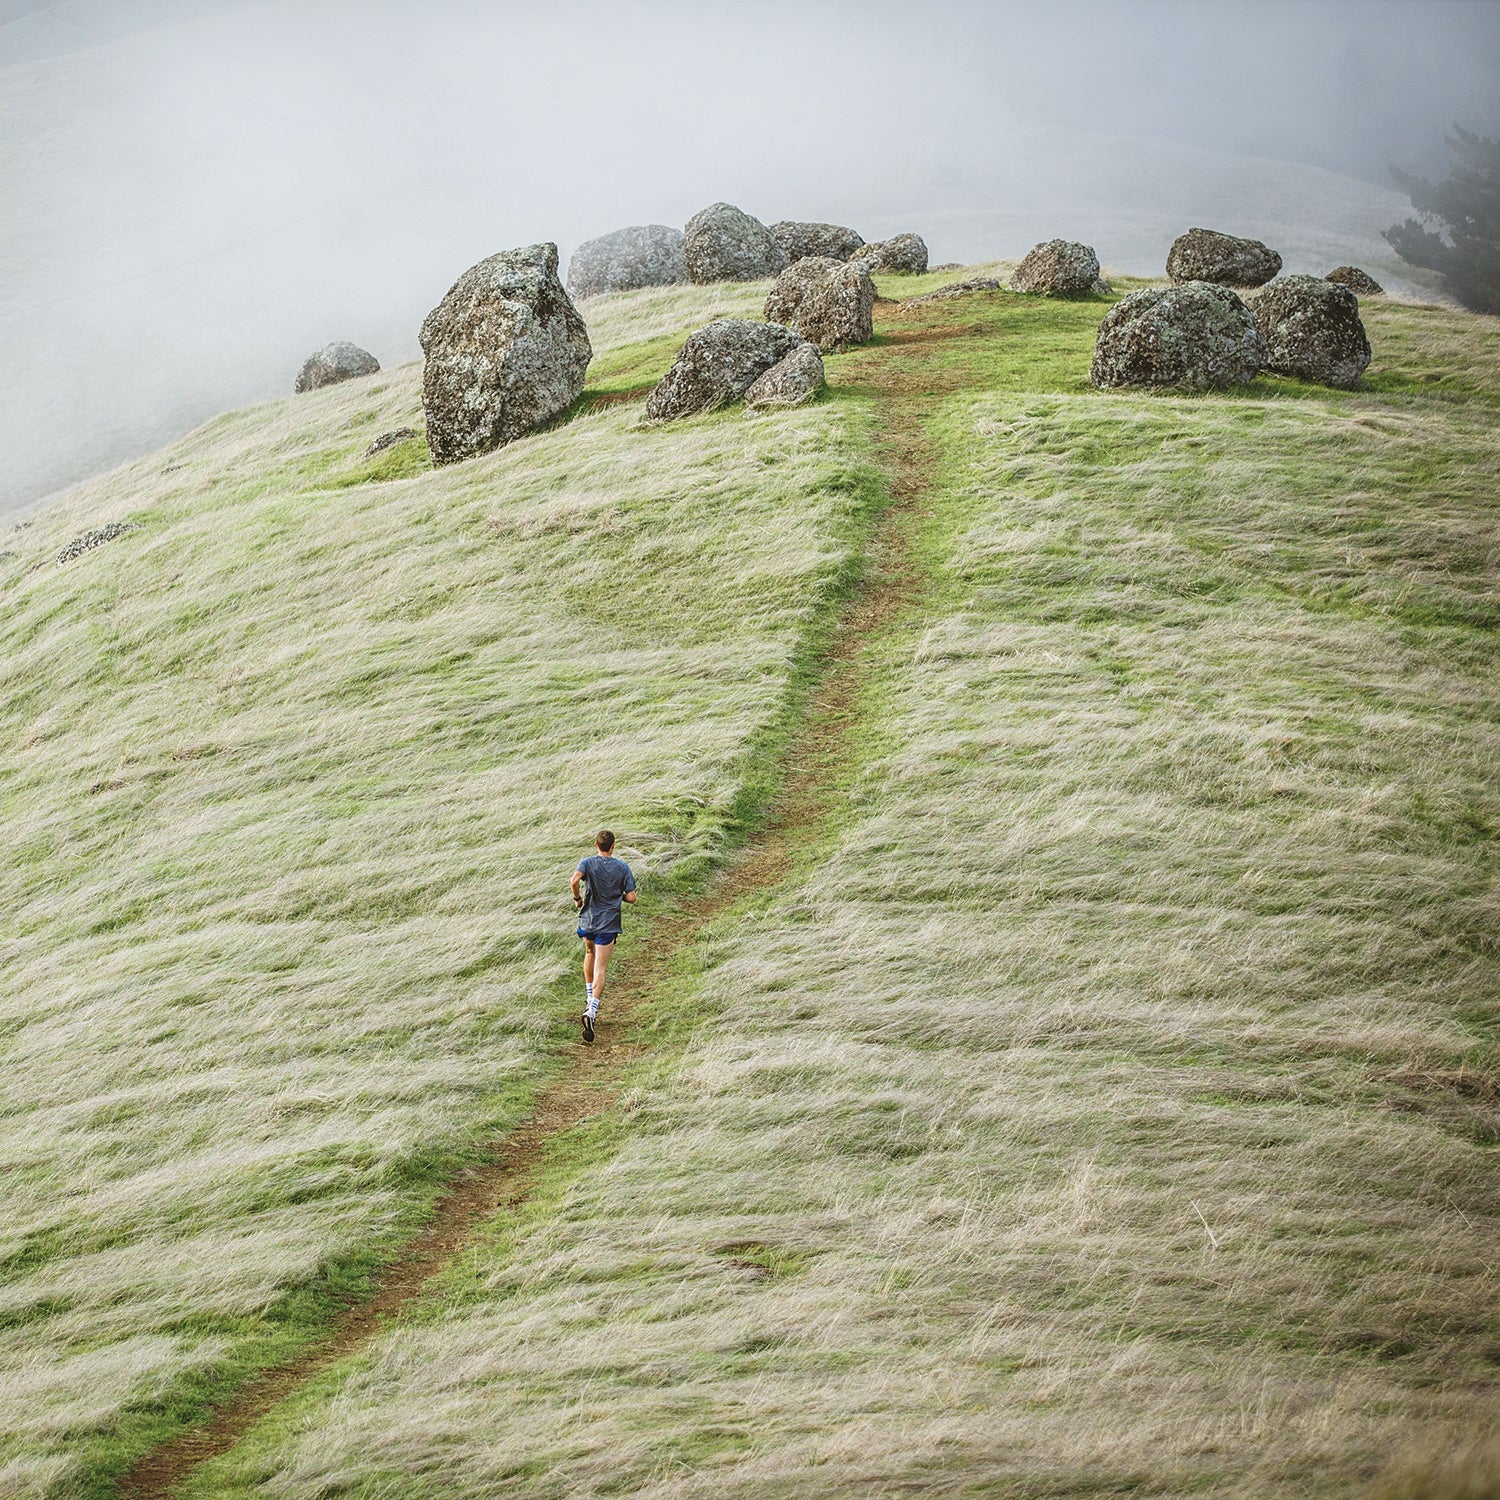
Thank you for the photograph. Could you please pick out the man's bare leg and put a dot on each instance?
(601, 966)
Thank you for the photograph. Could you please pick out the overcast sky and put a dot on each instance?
(198, 194)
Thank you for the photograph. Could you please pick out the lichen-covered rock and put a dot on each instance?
(825, 300)
(1207, 255)
(801, 240)
(389, 440)
(1312, 330)
(1057, 268)
(505, 351)
(902, 253)
(642, 255)
(953, 289)
(717, 365)
(1197, 336)
(95, 538)
(334, 362)
(723, 243)
(792, 381)
(1361, 283)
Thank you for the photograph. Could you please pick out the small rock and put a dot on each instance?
(91, 539)
(505, 351)
(1361, 283)
(903, 253)
(792, 381)
(824, 300)
(1058, 268)
(948, 265)
(1207, 255)
(1312, 330)
(1197, 336)
(334, 362)
(953, 289)
(718, 364)
(642, 255)
(389, 440)
(801, 240)
(723, 243)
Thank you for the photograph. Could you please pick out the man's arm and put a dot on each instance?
(630, 897)
(576, 881)
(629, 886)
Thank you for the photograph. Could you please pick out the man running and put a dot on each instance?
(600, 883)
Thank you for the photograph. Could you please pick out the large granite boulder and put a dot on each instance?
(723, 243)
(1312, 330)
(334, 362)
(505, 352)
(1207, 255)
(642, 255)
(801, 240)
(717, 365)
(1058, 268)
(825, 300)
(1361, 283)
(792, 381)
(902, 253)
(1196, 337)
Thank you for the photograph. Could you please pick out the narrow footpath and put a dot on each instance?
(906, 388)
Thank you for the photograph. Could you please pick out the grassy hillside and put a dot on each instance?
(1105, 1102)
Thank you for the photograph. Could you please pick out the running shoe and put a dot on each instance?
(588, 1027)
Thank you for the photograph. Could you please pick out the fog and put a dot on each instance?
(197, 195)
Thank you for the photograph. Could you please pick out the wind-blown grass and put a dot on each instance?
(1111, 1107)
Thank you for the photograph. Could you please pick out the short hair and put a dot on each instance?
(605, 840)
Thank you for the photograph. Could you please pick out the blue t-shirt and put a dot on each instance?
(608, 880)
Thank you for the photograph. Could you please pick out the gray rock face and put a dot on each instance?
(717, 365)
(801, 240)
(505, 351)
(1058, 268)
(1312, 330)
(824, 300)
(1361, 283)
(642, 255)
(906, 253)
(1197, 337)
(334, 362)
(953, 289)
(792, 381)
(723, 243)
(1207, 255)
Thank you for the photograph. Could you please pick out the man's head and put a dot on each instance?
(604, 841)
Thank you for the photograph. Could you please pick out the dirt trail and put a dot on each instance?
(590, 1077)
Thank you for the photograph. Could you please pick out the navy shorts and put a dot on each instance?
(599, 939)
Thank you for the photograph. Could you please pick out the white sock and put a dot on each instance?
(593, 1009)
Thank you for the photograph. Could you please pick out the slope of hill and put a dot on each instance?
(1098, 1096)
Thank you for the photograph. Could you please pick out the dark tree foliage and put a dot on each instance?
(1467, 205)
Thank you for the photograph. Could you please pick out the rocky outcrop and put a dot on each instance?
(334, 362)
(109, 532)
(1057, 268)
(953, 289)
(1207, 255)
(1312, 330)
(1361, 283)
(1197, 337)
(642, 255)
(827, 301)
(717, 365)
(903, 253)
(792, 381)
(723, 243)
(801, 240)
(505, 351)
(389, 440)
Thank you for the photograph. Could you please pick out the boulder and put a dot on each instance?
(505, 352)
(904, 253)
(1058, 268)
(718, 364)
(953, 289)
(1197, 336)
(389, 440)
(1361, 283)
(801, 240)
(1207, 255)
(723, 243)
(642, 255)
(824, 300)
(792, 381)
(1312, 330)
(334, 362)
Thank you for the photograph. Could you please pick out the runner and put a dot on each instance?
(600, 883)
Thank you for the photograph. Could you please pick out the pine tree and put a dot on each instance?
(1467, 205)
